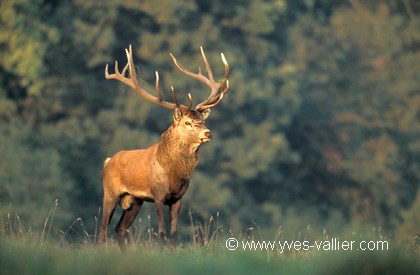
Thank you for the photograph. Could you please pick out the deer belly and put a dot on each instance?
(138, 193)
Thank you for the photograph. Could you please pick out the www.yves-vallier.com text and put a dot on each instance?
(334, 244)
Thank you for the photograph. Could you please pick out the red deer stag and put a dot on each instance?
(160, 173)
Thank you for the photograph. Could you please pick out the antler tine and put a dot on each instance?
(208, 69)
(173, 96)
(226, 66)
(132, 81)
(188, 107)
(125, 69)
(190, 101)
(159, 95)
(130, 63)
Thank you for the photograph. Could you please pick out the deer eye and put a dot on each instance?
(187, 123)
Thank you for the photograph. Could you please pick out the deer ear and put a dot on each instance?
(177, 114)
(205, 113)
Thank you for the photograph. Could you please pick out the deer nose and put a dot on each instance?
(207, 133)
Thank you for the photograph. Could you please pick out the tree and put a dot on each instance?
(357, 75)
(30, 171)
(321, 119)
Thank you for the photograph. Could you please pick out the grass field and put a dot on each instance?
(26, 257)
(50, 252)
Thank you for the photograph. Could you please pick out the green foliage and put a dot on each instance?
(24, 38)
(29, 176)
(320, 126)
(359, 96)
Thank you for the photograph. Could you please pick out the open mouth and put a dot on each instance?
(206, 139)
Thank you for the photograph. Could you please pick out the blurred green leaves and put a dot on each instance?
(24, 37)
(321, 119)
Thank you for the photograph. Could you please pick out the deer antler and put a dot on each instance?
(131, 81)
(218, 89)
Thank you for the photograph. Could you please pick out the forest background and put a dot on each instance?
(321, 126)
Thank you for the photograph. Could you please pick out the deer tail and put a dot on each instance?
(106, 161)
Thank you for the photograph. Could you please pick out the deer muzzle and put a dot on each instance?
(206, 136)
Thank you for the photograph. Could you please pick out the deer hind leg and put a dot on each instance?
(127, 218)
(108, 210)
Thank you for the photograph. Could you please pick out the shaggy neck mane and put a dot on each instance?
(177, 156)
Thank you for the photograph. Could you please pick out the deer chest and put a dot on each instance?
(178, 189)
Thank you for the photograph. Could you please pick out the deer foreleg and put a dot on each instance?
(173, 218)
(160, 208)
